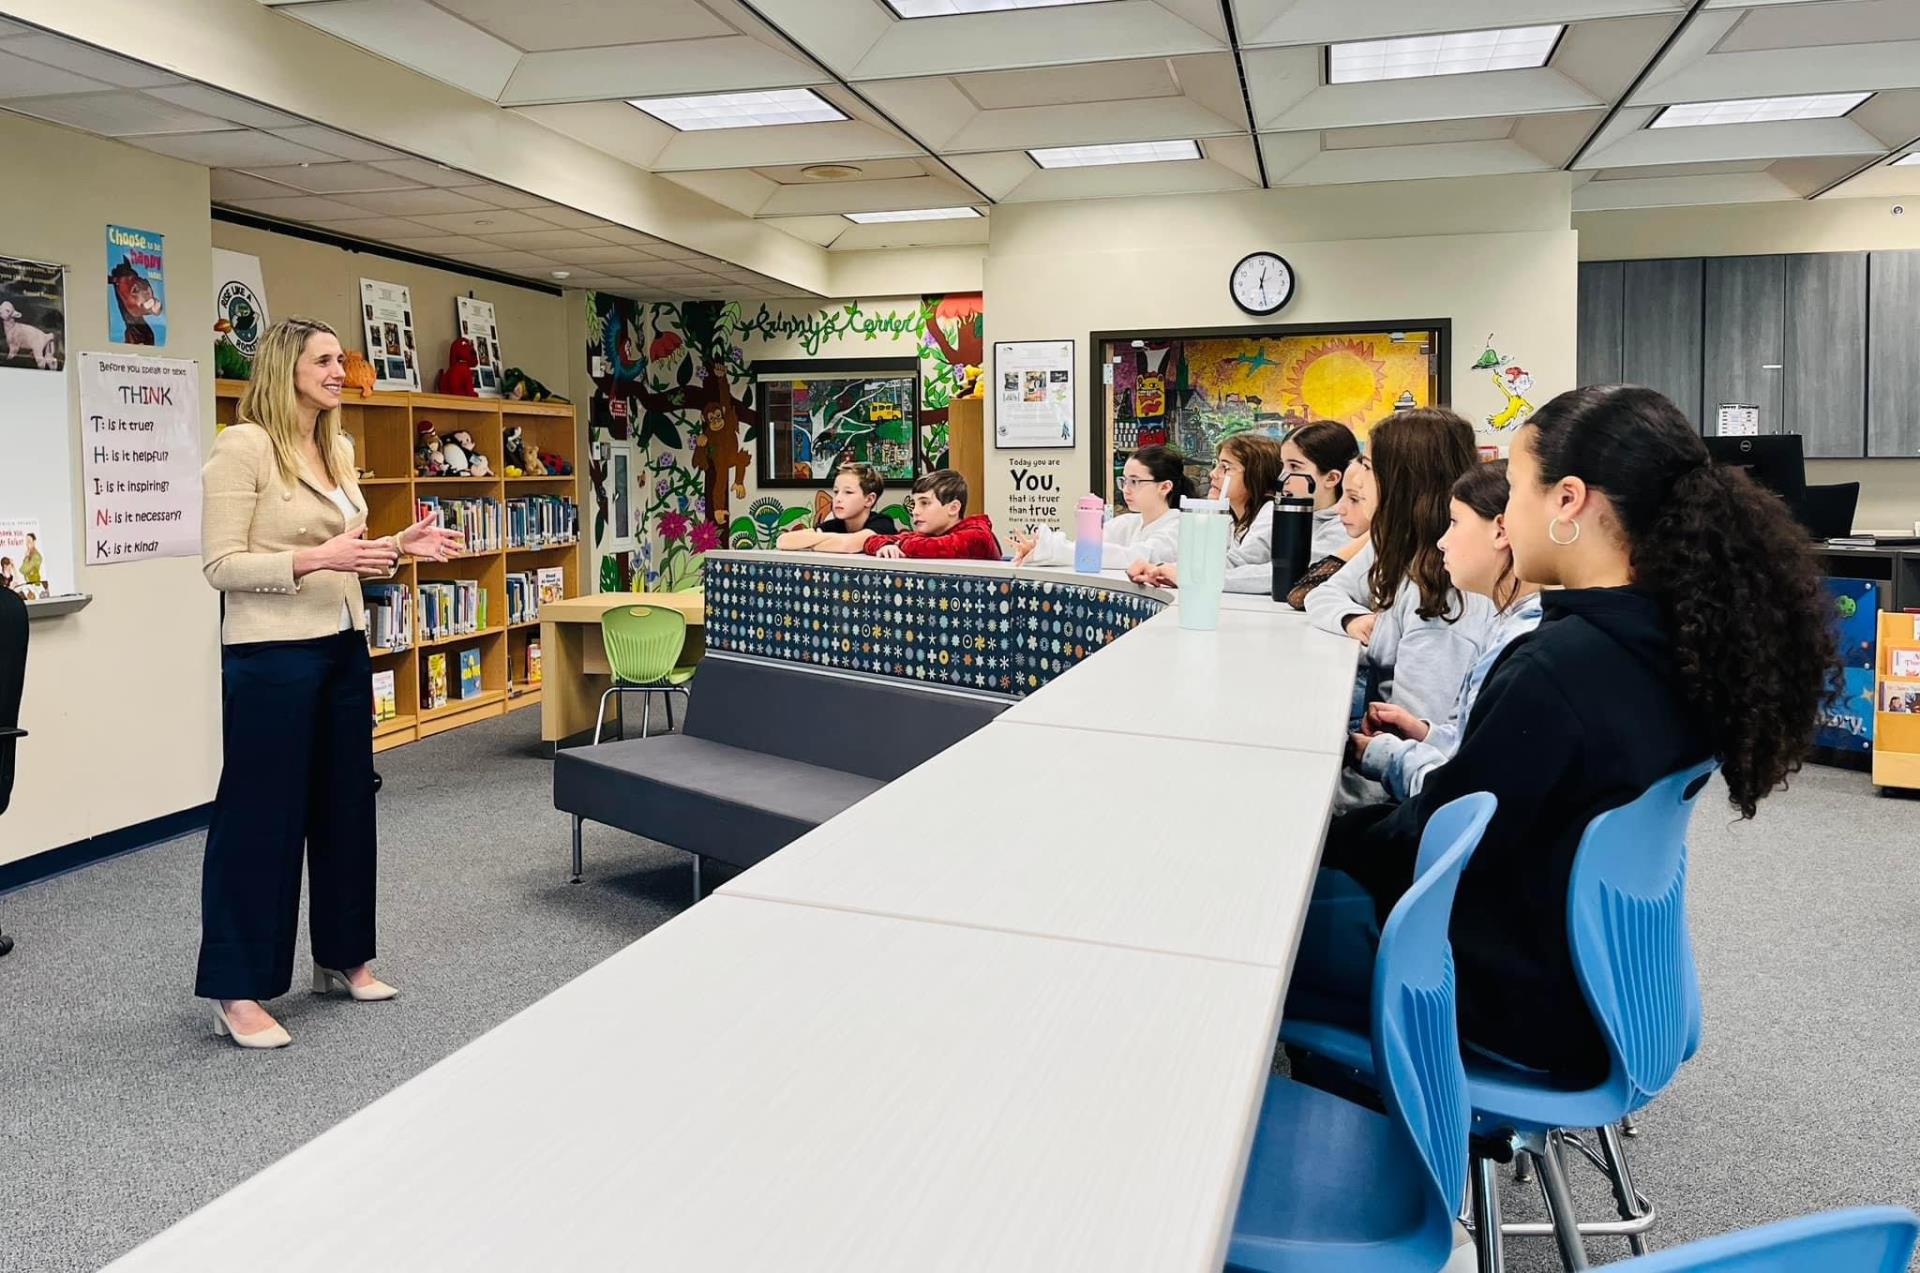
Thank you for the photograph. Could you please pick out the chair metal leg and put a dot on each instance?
(696, 877)
(646, 714)
(1566, 1222)
(669, 699)
(1486, 1216)
(577, 820)
(1628, 1127)
(1522, 1169)
(600, 719)
(1625, 1196)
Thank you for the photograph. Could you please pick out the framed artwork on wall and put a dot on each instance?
(820, 413)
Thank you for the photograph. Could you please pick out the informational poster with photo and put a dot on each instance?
(139, 456)
(33, 315)
(136, 286)
(23, 561)
(1033, 393)
(477, 325)
(386, 315)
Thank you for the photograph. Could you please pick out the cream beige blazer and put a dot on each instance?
(252, 523)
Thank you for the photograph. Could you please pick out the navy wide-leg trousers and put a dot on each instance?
(297, 775)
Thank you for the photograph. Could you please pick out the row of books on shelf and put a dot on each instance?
(436, 670)
(541, 521)
(528, 590)
(451, 607)
(478, 519)
(389, 616)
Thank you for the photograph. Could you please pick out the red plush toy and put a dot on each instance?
(457, 379)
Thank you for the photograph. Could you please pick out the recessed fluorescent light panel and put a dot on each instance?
(1907, 161)
(740, 110)
(1131, 152)
(946, 8)
(1757, 110)
(1457, 53)
(918, 214)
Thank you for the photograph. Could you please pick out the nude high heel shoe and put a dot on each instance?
(328, 980)
(274, 1036)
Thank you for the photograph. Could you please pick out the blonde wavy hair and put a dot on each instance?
(271, 403)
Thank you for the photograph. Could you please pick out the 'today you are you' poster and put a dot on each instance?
(136, 287)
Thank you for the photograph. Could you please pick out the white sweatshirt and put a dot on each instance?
(1128, 539)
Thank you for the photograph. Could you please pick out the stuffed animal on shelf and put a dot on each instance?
(453, 455)
(519, 386)
(457, 379)
(972, 383)
(426, 455)
(552, 463)
(533, 466)
(359, 373)
(477, 464)
(514, 450)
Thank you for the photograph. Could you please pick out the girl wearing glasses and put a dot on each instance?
(1245, 473)
(1152, 483)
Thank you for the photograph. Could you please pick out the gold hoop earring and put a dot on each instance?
(1564, 543)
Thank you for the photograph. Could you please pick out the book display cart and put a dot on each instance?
(1896, 722)
(383, 428)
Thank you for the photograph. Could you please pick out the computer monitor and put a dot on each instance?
(1774, 460)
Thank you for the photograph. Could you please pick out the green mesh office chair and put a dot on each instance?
(643, 649)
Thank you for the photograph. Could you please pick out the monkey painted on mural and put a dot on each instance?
(717, 452)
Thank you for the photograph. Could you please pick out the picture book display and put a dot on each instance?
(434, 693)
(1904, 662)
(469, 673)
(533, 662)
(385, 703)
(1903, 698)
(553, 584)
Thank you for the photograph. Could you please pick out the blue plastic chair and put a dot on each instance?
(1331, 1185)
(1859, 1240)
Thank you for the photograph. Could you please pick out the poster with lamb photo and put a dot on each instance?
(386, 315)
(33, 315)
(477, 324)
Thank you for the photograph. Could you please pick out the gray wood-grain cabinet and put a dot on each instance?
(1743, 309)
(1826, 353)
(1661, 339)
(1602, 322)
(1893, 355)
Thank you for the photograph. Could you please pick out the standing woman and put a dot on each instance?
(283, 537)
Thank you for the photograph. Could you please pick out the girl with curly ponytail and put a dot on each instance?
(1684, 619)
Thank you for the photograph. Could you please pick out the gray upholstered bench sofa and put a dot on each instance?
(767, 753)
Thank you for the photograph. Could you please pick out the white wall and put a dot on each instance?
(1889, 489)
(1494, 256)
(122, 699)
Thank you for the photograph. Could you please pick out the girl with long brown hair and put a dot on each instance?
(1246, 471)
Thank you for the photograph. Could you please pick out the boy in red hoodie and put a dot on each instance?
(940, 526)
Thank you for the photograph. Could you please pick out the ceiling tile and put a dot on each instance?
(621, 235)
(380, 228)
(609, 257)
(410, 203)
(499, 196)
(22, 77)
(508, 260)
(1055, 86)
(575, 24)
(419, 35)
(540, 240)
(482, 221)
(336, 178)
(297, 208)
(211, 101)
(228, 185)
(119, 113)
(91, 63)
(237, 149)
(724, 64)
(567, 218)
(339, 145)
(425, 172)
(444, 244)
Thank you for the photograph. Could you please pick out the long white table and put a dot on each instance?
(1029, 1033)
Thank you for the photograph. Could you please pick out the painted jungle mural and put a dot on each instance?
(675, 418)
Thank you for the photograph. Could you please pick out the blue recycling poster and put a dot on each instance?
(136, 287)
(1847, 721)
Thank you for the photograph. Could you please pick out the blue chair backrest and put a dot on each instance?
(1627, 927)
(1860, 1240)
(1416, 1033)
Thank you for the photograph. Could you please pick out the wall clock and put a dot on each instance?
(1261, 283)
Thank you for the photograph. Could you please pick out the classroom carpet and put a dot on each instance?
(120, 1113)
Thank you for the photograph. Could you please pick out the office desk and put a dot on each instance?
(574, 671)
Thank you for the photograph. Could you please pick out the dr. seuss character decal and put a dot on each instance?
(1513, 380)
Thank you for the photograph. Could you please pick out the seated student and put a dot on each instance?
(1152, 483)
(1422, 634)
(1321, 451)
(1398, 749)
(1355, 511)
(940, 526)
(1246, 471)
(856, 490)
(1686, 620)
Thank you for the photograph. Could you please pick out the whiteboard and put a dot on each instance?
(36, 468)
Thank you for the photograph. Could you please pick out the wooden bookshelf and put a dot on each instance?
(383, 428)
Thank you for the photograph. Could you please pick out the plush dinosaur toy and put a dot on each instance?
(457, 379)
(519, 386)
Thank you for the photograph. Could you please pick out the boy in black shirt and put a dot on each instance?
(856, 492)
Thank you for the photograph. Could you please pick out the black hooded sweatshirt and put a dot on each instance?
(1578, 717)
